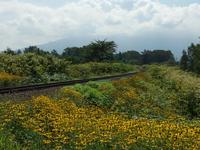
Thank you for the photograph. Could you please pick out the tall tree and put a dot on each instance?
(194, 58)
(102, 50)
(184, 61)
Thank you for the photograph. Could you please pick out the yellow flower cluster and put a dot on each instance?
(61, 122)
(7, 76)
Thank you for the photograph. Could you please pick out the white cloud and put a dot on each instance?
(23, 24)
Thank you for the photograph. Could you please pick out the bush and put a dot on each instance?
(93, 96)
(7, 79)
(72, 95)
(79, 71)
(96, 69)
(37, 68)
(106, 68)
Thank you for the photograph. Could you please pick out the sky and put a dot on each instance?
(147, 24)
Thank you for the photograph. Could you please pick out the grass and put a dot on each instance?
(6, 142)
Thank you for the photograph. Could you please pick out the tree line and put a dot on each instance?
(106, 51)
(102, 51)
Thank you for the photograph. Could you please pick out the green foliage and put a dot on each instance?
(109, 68)
(93, 93)
(107, 89)
(79, 71)
(93, 96)
(149, 95)
(138, 97)
(194, 57)
(7, 142)
(72, 95)
(76, 54)
(157, 56)
(183, 87)
(105, 51)
(97, 51)
(184, 61)
(101, 50)
(24, 136)
(30, 64)
(94, 69)
(97, 145)
(190, 60)
(37, 51)
(37, 66)
(131, 57)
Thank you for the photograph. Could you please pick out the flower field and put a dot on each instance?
(156, 109)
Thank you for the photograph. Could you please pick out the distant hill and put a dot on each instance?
(124, 43)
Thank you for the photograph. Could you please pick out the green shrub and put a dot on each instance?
(79, 71)
(72, 95)
(36, 68)
(106, 68)
(93, 96)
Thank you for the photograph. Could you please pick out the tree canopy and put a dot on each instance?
(97, 51)
(190, 60)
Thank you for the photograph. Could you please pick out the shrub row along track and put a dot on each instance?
(60, 84)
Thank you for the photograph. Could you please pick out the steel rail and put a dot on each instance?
(25, 88)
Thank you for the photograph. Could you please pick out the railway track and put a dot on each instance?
(10, 90)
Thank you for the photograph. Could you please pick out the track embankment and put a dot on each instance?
(36, 87)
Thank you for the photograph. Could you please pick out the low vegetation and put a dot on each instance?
(70, 71)
(35, 65)
(7, 79)
(156, 109)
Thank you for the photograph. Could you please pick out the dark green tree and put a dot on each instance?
(157, 56)
(55, 53)
(19, 52)
(9, 51)
(76, 54)
(96, 51)
(184, 61)
(101, 50)
(194, 58)
(35, 50)
(132, 57)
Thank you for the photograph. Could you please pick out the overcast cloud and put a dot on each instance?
(29, 22)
